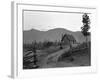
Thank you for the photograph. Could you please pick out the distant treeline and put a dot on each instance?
(40, 45)
(66, 39)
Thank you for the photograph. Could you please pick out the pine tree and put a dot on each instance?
(86, 25)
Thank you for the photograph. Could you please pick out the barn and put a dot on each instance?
(68, 39)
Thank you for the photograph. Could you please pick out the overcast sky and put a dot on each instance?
(48, 20)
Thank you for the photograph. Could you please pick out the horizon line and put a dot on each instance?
(48, 30)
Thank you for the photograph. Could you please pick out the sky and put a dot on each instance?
(44, 21)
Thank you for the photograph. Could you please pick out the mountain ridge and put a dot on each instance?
(50, 35)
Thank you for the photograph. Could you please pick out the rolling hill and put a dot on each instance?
(50, 35)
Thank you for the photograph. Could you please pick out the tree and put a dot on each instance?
(86, 25)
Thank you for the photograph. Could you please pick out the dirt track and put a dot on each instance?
(51, 59)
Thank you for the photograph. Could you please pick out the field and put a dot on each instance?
(53, 56)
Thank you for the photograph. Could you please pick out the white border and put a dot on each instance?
(17, 61)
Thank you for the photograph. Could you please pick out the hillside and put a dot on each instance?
(51, 35)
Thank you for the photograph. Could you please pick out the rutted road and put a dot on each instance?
(51, 59)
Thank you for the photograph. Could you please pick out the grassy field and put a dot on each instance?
(53, 57)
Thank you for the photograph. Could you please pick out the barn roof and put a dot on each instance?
(69, 37)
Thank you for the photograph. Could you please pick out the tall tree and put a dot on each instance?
(86, 25)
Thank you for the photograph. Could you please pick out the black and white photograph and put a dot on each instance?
(53, 39)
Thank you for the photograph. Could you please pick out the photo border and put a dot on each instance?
(16, 70)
